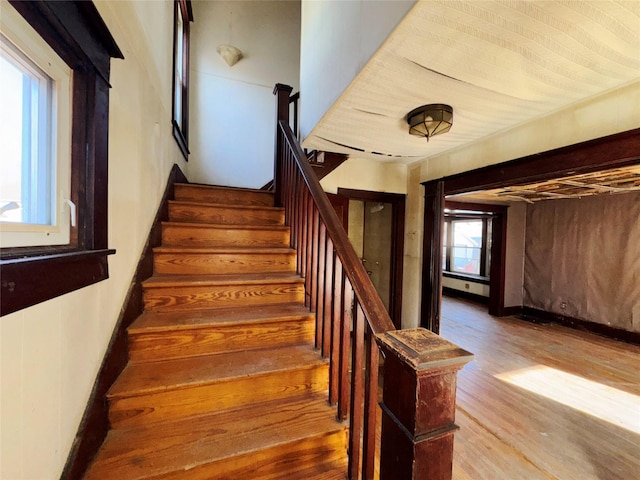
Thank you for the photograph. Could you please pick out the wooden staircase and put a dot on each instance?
(223, 381)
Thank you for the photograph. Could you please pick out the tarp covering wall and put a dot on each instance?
(582, 259)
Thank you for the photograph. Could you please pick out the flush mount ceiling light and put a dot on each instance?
(430, 120)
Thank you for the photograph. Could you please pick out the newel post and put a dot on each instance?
(419, 404)
(282, 93)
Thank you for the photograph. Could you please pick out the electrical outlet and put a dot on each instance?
(563, 305)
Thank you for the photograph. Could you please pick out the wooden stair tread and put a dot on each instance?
(150, 377)
(223, 188)
(279, 228)
(225, 279)
(183, 444)
(225, 206)
(225, 250)
(163, 321)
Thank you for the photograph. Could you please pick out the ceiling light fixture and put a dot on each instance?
(430, 120)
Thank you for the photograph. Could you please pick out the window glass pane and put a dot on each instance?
(467, 245)
(26, 161)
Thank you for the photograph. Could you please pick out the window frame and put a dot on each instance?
(448, 246)
(30, 275)
(182, 10)
(51, 162)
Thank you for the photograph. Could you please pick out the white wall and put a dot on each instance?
(232, 109)
(338, 39)
(50, 353)
(610, 113)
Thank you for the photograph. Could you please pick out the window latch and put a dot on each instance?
(72, 211)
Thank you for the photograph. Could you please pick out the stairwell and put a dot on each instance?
(223, 381)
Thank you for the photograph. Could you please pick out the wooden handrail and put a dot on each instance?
(374, 310)
(352, 326)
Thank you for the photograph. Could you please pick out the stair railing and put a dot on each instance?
(418, 404)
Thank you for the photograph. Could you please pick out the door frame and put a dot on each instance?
(397, 201)
(617, 150)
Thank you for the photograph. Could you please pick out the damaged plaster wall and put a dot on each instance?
(582, 259)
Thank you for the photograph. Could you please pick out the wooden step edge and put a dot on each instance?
(224, 187)
(223, 226)
(263, 435)
(189, 203)
(217, 318)
(309, 364)
(186, 280)
(227, 250)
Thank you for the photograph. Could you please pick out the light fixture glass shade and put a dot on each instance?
(430, 120)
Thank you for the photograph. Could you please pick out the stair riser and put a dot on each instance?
(220, 339)
(185, 236)
(217, 396)
(270, 463)
(224, 215)
(194, 193)
(223, 263)
(220, 296)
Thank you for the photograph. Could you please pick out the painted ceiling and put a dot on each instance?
(498, 64)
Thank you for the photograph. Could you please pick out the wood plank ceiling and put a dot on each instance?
(499, 64)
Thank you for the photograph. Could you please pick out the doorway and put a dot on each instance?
(376, 230)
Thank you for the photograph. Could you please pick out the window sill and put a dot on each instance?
(30, 280)
(467, 277)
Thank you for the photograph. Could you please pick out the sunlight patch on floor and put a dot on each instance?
(601, 401)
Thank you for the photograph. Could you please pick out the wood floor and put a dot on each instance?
(542, 401)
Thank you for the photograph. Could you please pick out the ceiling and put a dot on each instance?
(498, 64)
(608, 182)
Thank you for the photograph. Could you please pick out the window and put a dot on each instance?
(34, 138)
(183, 15)
(56, 58)
(466, 246)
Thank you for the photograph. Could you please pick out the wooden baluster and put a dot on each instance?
(357, 394)
(304, 222)
(315, 236)
(345, 345)
(322, 247)
(336, 322)
(309, 253)
(370, 408)
(328, 297)
(419, 404)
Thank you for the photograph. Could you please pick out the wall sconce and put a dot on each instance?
(229, 54)
(430, 120)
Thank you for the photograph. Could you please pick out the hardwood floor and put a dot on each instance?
(542, 401)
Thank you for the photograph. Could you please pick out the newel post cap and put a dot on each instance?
(423, 350)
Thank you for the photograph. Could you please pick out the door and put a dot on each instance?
(376, 231)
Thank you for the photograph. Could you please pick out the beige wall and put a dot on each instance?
(363, 174)
(50, 353)
(233, 108)
(610, 113)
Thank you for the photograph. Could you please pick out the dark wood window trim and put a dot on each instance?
(448, 226)
(31, 275)
(181, 127)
